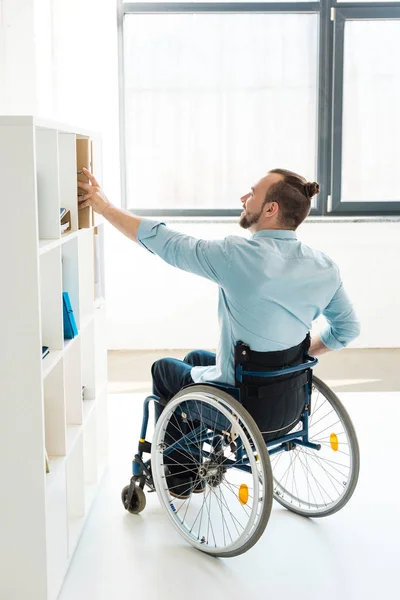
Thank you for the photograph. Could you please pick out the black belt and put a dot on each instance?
(278, 359)
(262, 391)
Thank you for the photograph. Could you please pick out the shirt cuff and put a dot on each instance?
(330, 341)
(147, 229)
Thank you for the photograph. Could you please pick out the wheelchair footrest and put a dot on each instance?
(144, 447)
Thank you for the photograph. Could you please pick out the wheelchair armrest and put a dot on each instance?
(311, 362)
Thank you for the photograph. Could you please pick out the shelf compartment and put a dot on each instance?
(88, 406)
(54, 412)
(98, 239)
(51, 299)
(73, 433)
(84, 151)
(48, 191)
(70, 275)
(86, 272)
(56, 530)
(100, 345)
(90, 458)
(102, 425)
(85, 322)
(73, 382)
(68, 178)
(75, 494)
(75, 527)
(50, 362)
(56, 469)
(88, 361)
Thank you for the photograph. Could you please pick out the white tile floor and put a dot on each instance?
(353, 555)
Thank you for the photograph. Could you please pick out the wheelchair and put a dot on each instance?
(234, 453)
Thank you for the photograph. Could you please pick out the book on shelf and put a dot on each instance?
(47, 462)
(70, 328)
(65, 220)
(45, 351)
(84, 159)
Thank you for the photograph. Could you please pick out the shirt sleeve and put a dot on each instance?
(343, 325)
(207, 258)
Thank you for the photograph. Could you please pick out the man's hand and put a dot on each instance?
(122, 220)
(317, 347)
(94, 197)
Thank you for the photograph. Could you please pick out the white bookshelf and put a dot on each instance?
(42, 515)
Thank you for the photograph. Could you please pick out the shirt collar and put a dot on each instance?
(278, 234)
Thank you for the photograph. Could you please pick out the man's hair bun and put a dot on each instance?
(311, 189)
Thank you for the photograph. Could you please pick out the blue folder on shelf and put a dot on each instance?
(70, 328)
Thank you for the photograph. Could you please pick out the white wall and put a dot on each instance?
(59, 60)
(153, 305)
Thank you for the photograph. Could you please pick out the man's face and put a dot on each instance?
(253, 201)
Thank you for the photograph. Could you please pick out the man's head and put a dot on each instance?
(281, 200)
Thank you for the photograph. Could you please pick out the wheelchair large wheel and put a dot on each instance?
(226, 500)
(318, 483)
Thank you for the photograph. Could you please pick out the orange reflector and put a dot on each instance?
(243, 494)
(334, 442)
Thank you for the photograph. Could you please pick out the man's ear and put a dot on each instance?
(271, 208)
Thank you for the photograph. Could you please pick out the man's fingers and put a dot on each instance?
(84, 186)
(83, 204)
(91, 177)
(85, 197)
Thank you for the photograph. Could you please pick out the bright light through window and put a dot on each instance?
(213, 101)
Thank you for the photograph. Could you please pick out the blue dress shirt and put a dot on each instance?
(271, 288)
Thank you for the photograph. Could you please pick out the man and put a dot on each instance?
(271, 286)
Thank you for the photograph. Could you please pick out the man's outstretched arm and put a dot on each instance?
(207, 258)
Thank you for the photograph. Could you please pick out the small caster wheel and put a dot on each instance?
(138, 502)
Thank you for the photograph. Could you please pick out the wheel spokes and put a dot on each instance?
(230, 505)
(314, 479)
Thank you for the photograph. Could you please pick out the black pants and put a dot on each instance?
(170, 375)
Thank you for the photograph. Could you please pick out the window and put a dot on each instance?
(366, 139)
(371, 116)
(214, 97)
(213, 101)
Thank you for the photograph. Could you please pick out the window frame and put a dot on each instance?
(329, 95)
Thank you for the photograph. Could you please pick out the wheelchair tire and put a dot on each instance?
(328, 477)
(231, 511)
(138, 502)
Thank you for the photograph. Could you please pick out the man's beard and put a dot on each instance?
(247, 221)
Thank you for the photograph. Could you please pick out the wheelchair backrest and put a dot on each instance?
(274, 386)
